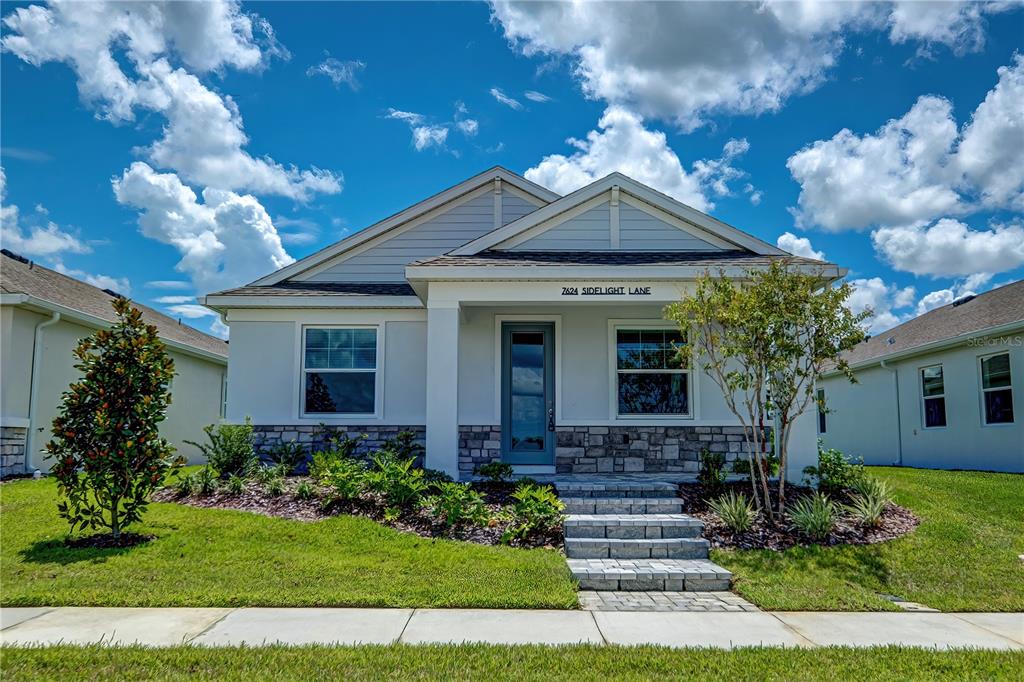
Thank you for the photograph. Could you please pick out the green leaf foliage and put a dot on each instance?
(736, 511)
(456, 503)
(536, 511)
(814, 515)
(106, 445)
(229, 449)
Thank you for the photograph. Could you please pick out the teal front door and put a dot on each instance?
(528, 392)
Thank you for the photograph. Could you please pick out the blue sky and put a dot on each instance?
(101, 164)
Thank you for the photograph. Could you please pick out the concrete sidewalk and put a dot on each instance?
(257, 626)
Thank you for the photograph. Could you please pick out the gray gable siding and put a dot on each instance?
(640, 231)
(514, 207)
(386, 261)
(589, 231)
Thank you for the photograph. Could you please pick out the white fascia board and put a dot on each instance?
(223, 303)
(933, 347)
(406, 215)
(629, 186)
(85, 319)
(417, 273)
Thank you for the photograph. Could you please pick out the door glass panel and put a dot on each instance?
(526, 391)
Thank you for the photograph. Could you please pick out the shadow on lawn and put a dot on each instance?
(93, 548)
(862, 565)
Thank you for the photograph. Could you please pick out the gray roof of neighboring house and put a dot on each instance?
(34, 280)
(680, 258)
(994, 308)
(322, 289)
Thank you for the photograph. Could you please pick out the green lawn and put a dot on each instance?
(212, 557)
(963, 556)
(491, 662)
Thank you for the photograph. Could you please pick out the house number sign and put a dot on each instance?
(606, 291)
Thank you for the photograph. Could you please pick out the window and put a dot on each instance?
(996, 389)
(933, 392)
(652, 372)
(340, 370)
(821, 411)
(224, 395)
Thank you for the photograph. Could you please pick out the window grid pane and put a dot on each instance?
(340, 376)
(650, 349)
(995, 371)
(341, 349)
(931, 381)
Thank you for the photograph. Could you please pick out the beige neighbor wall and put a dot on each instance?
(863, 417)
(196, 390)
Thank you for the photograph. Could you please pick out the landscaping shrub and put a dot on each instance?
(275, 486)
(289, 456)
(495, 471)
(735, 510)
(869, 486)
(814, 515)
(229, 451)
(712, 473)
(456, 503)
(186, 485)
(741, 466)
(206, 481)
(835, 472)
(435, 476)
(402, 447)
(342, 449)
(346, 477)
(305, 491)
(106, 440)
(537, 510)
(235, 485)
(869, 500)
(398, 480)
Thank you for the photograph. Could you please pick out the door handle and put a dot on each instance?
(551, 419)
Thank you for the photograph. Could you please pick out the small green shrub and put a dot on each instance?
(495, 471)
(735, 510)
(402, 447)
(537, 510)
(346, 478)
(835, 472)
(434, 477)
(341, 449)
(873, 488)
(235, 485)
(814, 515)
(456, 503)
(289, 456)
(230, 450)
(869, 500)
(186, 485)
(275, 486)
(401, 483)
(741, 466)
(712, 473)
(206, 481)
(305, 491)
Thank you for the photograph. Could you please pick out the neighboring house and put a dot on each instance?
(944, 390)
(498, 320)
(44, 314)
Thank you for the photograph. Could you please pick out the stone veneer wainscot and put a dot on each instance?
(12, 450)
(266, 438)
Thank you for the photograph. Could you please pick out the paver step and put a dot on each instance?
(619, 489)
(693, 575)
(655, 548)
(619, 505)
(636, 526)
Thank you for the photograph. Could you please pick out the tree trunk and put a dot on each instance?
(115, 519)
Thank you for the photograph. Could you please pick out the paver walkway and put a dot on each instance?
(596, 600)
(258, 626)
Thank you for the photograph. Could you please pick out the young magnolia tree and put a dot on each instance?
(764, 340)
(108, 450)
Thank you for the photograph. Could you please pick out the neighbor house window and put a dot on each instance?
(933, 392)
(652, 372)
(822, 424)
(340, 370)
(996, 389)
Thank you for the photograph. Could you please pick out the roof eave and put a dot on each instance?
(559, 272)
(222, 304)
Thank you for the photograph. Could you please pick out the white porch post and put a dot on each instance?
(442, 388)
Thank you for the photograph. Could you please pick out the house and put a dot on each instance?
(44, 314)
(499, 320)
(944, 390)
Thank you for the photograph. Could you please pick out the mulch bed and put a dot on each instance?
(107, 541)
(256, 499)
(896, 522)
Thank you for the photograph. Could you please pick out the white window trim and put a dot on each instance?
(378, 383)
(613, 377)
(982, 391)
(920, 390)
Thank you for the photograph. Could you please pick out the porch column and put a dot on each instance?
(442, 388)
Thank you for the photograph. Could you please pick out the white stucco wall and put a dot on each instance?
(196, 391)
(864, 415)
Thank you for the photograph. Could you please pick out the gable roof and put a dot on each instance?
(26, 283)
(967, 316)
(704, 259)
(702, 224)
(402, 217)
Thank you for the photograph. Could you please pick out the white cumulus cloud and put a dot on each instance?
(950, 248)
(424, 135)
(798, 246)
(33, 240)
(339, 72)
(120, 285)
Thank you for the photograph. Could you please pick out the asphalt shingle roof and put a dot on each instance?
(33, 279)
(557, 258)
(994, 308)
